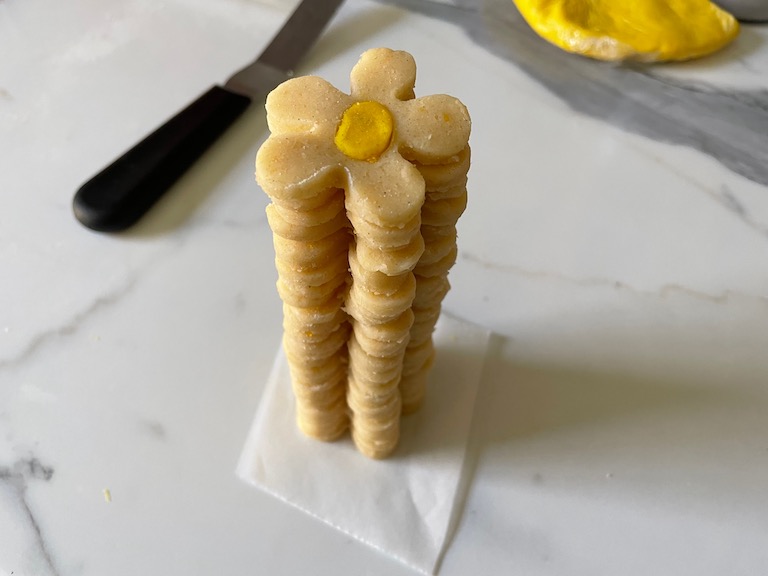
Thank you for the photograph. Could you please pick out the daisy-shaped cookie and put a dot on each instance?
(365, 142)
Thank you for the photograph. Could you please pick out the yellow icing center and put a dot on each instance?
(365, 131)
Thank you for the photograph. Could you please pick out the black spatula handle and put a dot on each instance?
(120, 194)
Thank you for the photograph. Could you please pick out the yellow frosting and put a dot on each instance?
(648, 30)
(365, 131)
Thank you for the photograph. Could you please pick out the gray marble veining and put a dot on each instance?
(662, 292)
(730, 125)
(16, 478)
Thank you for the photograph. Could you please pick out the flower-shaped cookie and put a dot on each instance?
(366, 142)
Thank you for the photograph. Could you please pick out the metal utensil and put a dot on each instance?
(122, 193)
(746, 10)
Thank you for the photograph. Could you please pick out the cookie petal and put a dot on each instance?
(293, 166)
(432, 129)
(384, 75)
(305, 105)
(389, 192)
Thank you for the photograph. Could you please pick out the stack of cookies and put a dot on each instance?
(445, 201)
(366, 190)
(379, 304)
(311, 242)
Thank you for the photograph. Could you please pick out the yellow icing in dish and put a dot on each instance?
(647, 30)
(365, 131)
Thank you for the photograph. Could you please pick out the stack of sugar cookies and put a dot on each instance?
(311, 243)
(446, 199)
(366, 190)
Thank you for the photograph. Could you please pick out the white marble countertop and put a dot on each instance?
(616, 241)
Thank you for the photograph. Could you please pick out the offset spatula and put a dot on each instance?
(120, 194)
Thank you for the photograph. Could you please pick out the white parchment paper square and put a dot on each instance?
(402, 506)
